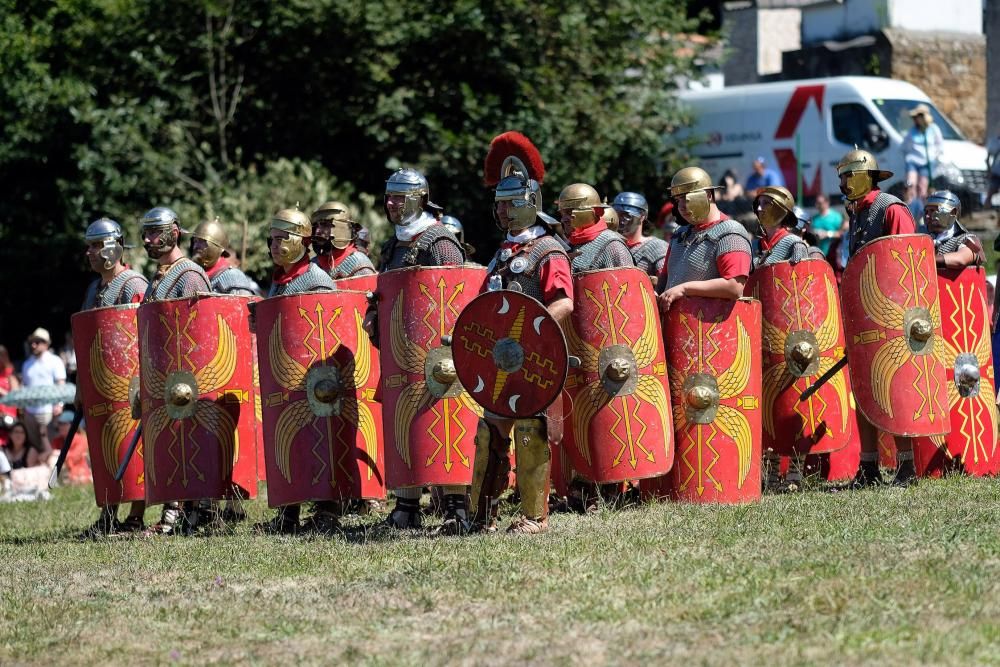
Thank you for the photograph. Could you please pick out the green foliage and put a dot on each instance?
(237, 109)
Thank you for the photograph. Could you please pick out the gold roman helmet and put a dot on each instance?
(774, 205)
(297, 224)
(692, 185)
(215, 243)
(578, 201)
(610, 216)
(333, 221)
(859, 172)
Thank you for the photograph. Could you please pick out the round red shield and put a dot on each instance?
(621, 419)
(427, 414)
(318, 376)
(713, 358)
(892, 317)
(802, 339)
(510, 354)
(107, 356)
(197, 398)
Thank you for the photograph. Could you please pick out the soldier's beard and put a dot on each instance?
(164, 243)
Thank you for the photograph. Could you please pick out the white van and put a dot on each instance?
(819, 120)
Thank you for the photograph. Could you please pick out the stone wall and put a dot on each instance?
(950, 68)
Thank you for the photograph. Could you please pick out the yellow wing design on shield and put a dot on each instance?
(647, 346)
(114, 432)
(152, 426)
(411, 400)
(587, 353)
(219, 371)
(731, 383)
(585, 406)
(361, 364)
(286, 371)
(878, 306)
(408, 355)
(291, 420)
(650, 389)
(109, 384)
(217, 420)
(828, 332)
(154, 380)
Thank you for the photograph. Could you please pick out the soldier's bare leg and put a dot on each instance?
(490, 471)
(406, 513)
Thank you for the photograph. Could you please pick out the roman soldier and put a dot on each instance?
(176, 277)
(874, 214)
(418, 240)
(294, 272)
(649, 252)
(710, 255)
(456, 227)
(592, 244)
(955, 247)
(334, 238)
(117, 285)
(210, 250)
(776, 228)
(532, 260)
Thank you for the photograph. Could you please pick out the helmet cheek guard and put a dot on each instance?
(697, 206)
(111, 253)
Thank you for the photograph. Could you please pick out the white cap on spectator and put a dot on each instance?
(40, 334)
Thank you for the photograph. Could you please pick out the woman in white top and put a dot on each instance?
(922, 147)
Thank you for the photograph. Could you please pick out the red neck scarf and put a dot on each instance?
(578, 237)
(325, 262)
(283, 277)
(767, 243)
(219, 267)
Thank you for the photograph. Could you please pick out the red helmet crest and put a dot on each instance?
(512, 144)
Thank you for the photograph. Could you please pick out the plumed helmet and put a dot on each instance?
(158, 217)
(108, 233)
(691, 179)
(862, 160)
(514, 168)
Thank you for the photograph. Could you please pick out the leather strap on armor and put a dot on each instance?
(536, 252)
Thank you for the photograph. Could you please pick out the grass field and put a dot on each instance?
(888, 576)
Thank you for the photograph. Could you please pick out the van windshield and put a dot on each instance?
(897, 112)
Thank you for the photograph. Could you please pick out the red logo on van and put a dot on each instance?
(790, 120)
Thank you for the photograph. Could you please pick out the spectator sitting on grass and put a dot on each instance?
(20, 451)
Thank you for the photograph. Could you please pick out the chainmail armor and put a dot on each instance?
(355, 264)
(435, 246)
(607, 251)
(122, 289)
(790, 248)
(315, 279)
(234, 281)
(870, 225)
(693, 254)
(183, 278)
(650, 255)
(537, 251)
